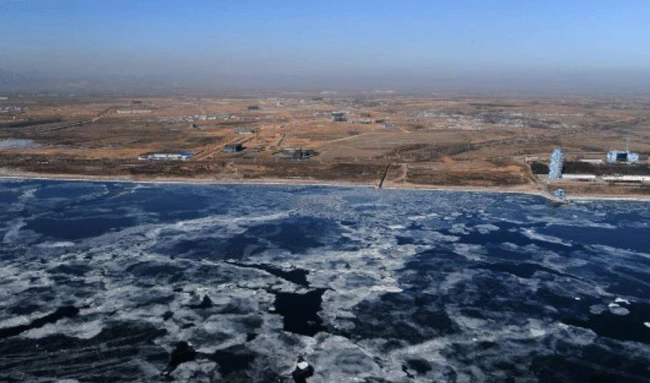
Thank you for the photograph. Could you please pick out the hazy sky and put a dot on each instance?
(326, 38)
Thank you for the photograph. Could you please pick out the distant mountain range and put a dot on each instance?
(13, 79)
(144, 85)
(18, 82)
(579, 83)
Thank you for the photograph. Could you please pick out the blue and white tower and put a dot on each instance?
(555, 167)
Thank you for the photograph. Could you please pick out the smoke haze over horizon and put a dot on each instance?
(362, 43)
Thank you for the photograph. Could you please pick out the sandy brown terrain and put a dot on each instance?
(406, 141)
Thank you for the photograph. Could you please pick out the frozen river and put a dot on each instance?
(123, 282)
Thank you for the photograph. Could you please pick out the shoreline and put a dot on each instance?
(22, 176)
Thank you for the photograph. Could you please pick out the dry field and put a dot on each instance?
(412, 141)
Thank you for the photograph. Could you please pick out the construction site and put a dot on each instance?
(395, 141)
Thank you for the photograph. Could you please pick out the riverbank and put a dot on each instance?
(6, 174)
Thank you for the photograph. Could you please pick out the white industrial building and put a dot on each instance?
(616, 156)
(626, 178)
(182, 156)
(592, 161)
(579, 177)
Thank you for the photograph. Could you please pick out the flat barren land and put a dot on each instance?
(385, 140)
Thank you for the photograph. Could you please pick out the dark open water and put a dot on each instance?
(127, 282)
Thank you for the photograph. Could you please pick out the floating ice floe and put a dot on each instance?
(84, 330)
(531, 234)
(621, 300)
(388, 289)
(469, 251)
(55, 245)
(28, 194)
(597, 309)
(421, 217)
(303, 370)
(20, 320)
(13, 234)
(616, 309)
(537, 332)
(459, 228)
(486, 228)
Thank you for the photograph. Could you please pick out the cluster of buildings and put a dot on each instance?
(287, 153)
(11, 109)
(296, 153)
(364, 121)
(556, 165)
(388, 124)
(133, 111)
(339, 116)
(195, 118)
(343, 115)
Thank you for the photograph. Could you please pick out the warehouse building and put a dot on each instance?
(617, 156)
(233, 148)
(339, 116)
(296, 153)
(180, 156)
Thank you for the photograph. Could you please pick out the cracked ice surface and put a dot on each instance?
(110, 281)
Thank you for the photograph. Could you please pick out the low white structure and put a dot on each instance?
(133, 111)
(579, 177)
(626, 178)
(592, 161)
(244, 131)
(166, 156)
